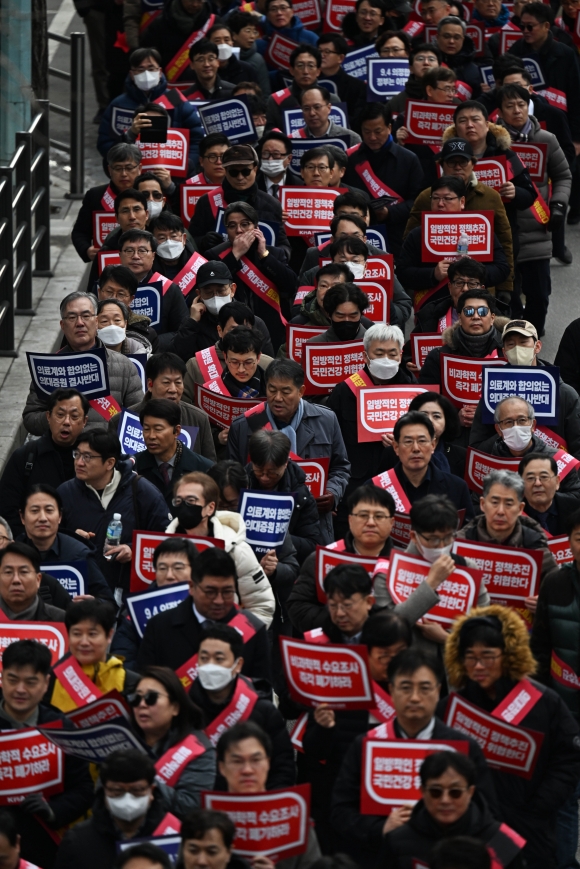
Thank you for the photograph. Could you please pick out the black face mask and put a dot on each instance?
(346, 329)
(188, 517)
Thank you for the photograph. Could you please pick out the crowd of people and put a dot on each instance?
(272, 465)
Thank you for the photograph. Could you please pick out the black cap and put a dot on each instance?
(213, 272)
(456, 148)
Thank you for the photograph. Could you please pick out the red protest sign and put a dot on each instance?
(507, 38)
(461, 377)
(476, 30)
(379, 408)
(478, 466)
(29, 763)
(379, 300)
(104, 222)
(441, 231)
(316, 471)
(560, 549)
(279, 50)
(335, 12)
(504, 746)
(112, 705)
(274, 824)
(390, 771)
(337, 675)
(190, 196)
(108, 258)
(421, 345)
(308, 11)
(222, 409)
(51, 634)
(297, 335)
(310, 209)
(510, 575)
(401, 530)
(491, 171)
(554, 441)
(325, 365)
(426, 122)
(380, 268)
(144, 545)
(171, 154)
(457, 594)
(555, 97)
(534, 157)
(327, 558)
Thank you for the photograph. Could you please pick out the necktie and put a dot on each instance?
(164, 468)
(274, 190)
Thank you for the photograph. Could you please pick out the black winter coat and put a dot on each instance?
(568, 355)
(165, 34)
(82, 231)
(555, 520)
(351, 91)
(454, 453)
(196, 335)
(437, 483)
(146, 466)
(66, 550)
(222, 89)
(464, 66)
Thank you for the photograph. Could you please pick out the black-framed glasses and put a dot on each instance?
(150, 698)
(235, 172)
(213, 158)
(153, 194)
(470, 311)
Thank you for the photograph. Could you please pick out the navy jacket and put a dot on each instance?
(147, 467)
(66, 550)
(438, 483)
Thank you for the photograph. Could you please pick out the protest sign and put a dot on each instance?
(144, 605)
(104, 222)
(106, 708)
(310, 209)
(147, 302)
(555, 97)
(144, 545)
(72, 577)
(51, 634)
(222, 409)
(377, 235)
(279, 50)
(93, 744)
(29, 764)
(540, 386)
(327, 558)
(560, 549)
(461, 377)
(298, 731)
(487, 76)
(441, 231)
(139, 360)
(504, 746)
(131, 434)
(380, 268)
(421, 345)
(267, 518)
(491, 171)
(325, 365)
(510, 574)
(190, 196)
(86, 372)
(170, 845)
(426, 122)
(379, 295)
(275, 824)
(121, 119)
(379, 408)
(386, 77)
(335, 12)
(534, 156)
(108, 258)
(535, 71)
(172, 154)
(300, 146)
(457, 595)
(316, 471)
(390, 771)
(337, 675)
(308, 11)
(232, 117)
(506, 39)
(355, 62)
(401, 530)
(478, 465)
(297, 335)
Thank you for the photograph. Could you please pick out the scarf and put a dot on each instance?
(250, 389)
(522, 135)
(477, 346)
(24, 616)
(233, 195)
(107, 676)
(290, 428)
(501, 19)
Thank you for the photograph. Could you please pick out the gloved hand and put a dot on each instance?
(35, 804)
(557, 215)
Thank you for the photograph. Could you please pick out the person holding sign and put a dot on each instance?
(333, 49)
(207, 83)
(422, 58)
(26, 668)
(311, 310)
(316, 105)
(119, 282)
(440, 311)
(20, 579)
(489, 664)
(458, 51)
(543, 500)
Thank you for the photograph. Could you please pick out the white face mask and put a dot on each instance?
(384, 368)
(216, 303)
(214, 677)
(357, 269)
(272, 168)
(225, 51)
(112, 335)
(147, 80)
(170, 249)
(430, 554)
(154, 207)
(520, 355)
(518, 437)
(260, 130)
(128, 807)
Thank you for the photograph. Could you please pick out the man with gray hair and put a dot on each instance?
(78, 312)
(123, 167)
(502, 520)
(383, 348)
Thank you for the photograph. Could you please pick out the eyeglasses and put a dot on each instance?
(392, 52)
(282, 8)
(116, 294)
(273, 155)
(243, 224)
(364, 516)
(272, 475)
(241, 363)
(459, 283)
(436, 792)
(509, 423)
(544, 477)
(425, 688)
(426, 58)
(448, 91)
(85, 317)
(327, 52)
(486, 658)
(436, 542)
(150, 698)
(153, 194)
(302, 66)
(235, 172)
(470, 311)
(131, 251)
(212, 593)
(128, 167)
(190, 501)
(85, 458)
(527, 26)
(443, 198)
(317, 167)
(213, 158)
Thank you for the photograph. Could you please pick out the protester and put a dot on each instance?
(543, 500)
(205, 81)
(344, 304)
(175, 253)
(316, 106)
(304, 68)
(333, 49)
(280, 19)
(422, 58)
(19, 586)
(206, 840)
(363, 26)
(119, 282)
(458, 52)
(244, 34)
(211, 151)
(275, 152)
(143, 856)
(439, 312)
(113, 323)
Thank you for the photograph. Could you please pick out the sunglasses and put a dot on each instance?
(529, 27)
(436, 792)
(241, 170)
(469, 311)
(150, 698)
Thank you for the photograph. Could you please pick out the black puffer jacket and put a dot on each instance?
(464, 66)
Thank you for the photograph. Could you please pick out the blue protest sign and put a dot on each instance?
(147, 301)
(121, 119)
(131, 434)
(139, 360)
(321, 238)
(71, 576)
(169, 844)
(294, 119)
(94, 744)
(145, 604)
(267, 517)
(533, 67)
(232, 118)
(270, 231)
(86, 372)
(355, 63)
(487, 75)
(377, 235)
(387, 76)
(300, 146)
(324, 83)
(539, 386)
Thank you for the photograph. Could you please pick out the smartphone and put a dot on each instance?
(157, 132)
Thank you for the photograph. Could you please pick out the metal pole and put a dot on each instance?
(40, 138)
(23, 225)
(77, 118)
(6, 266)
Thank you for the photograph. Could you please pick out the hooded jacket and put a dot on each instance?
(295, 31)
(254, 587)
(528, 805)
(431, 369)
(464, 66)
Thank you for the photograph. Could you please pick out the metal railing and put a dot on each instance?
(24, 201)
(76, 146)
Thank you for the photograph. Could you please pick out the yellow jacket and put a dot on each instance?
(106, 676)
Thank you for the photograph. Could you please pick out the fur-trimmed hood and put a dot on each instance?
(518, 659)
(447, 335)
(501, 135)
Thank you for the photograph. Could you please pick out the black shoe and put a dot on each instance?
(565, 257)
(573, 216)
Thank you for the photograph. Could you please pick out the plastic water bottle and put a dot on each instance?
(114, 532)
(462, 245)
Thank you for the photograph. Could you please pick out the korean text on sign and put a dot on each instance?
(337, 675)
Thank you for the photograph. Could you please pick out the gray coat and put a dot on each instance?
(197, 776)
(124, 383)
(335, 131)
